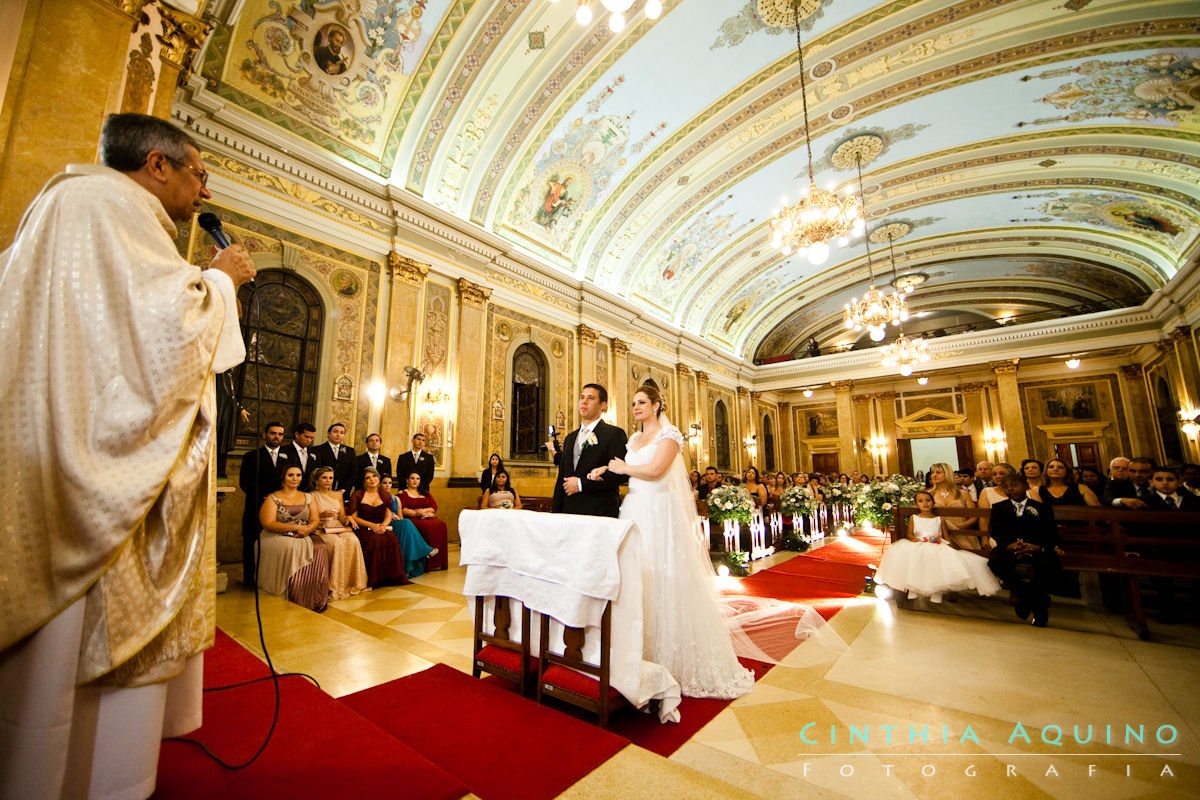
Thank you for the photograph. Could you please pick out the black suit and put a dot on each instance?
(1035, 526)
(1122, 487)
(383, 465)
(258, 478)
(1165, 587)
(406, 465)
(343, 465)
(294, 455)
(600, 498)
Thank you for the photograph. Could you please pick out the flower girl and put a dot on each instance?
(926, 564)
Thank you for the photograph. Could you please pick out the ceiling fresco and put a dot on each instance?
(1049, 147)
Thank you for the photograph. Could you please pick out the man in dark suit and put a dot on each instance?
(1130, 492)
(338, 456)
(259, 477)
(372, 458)
(1167, 494)
(1026, 535)
(300, 451)
(415, 460)
(593, 444)
(1118, 483)
(983, 477)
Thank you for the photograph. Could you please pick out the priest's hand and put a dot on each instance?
(235, 262)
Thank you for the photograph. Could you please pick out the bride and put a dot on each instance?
(684, 629)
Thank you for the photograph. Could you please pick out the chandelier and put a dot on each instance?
(616, 12)
(904, 354)
(820, 215)
(876, 309)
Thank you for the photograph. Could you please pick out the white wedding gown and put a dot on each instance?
(684, 629)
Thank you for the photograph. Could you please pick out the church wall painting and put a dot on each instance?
(431, 394)
(1079, 411)
(818, 422)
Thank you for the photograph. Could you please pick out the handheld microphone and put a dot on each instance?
(553, 431)
(212, 226)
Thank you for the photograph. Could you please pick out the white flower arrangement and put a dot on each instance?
(798, 501)
(506, 503)
(730, 502)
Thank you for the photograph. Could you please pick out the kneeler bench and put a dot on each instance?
(497, 653)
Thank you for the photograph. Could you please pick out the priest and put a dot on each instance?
(111, 344)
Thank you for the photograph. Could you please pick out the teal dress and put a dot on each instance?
(415, 550)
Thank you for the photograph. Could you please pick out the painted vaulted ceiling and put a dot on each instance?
(1031, 159)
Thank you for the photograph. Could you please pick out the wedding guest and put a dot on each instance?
(421, 509)
(844, 479)
(694, 479)
(1025, 534)
(502, 494)
(258, 477)
(347, 569)
(292, 563)
(1060, 489)
(332, 453)
(1131, 492)
(300, 449)
(416, 551)
(416, 460)
(370, 512)
(1191, 478)
(1091, 478)
(495, 464)
(712, 479)
(1033, 470)
(992, 494)
(1168, 494)
(372, 457)
(983, 477)
(946, 494)
(963, 478)
(774, 492)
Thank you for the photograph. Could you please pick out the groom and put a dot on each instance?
(592, 445)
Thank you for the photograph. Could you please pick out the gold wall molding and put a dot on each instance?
(587, 335)
(473, 294)
(182, 37)
(406, 269)
(1006, 367)
(620, 348)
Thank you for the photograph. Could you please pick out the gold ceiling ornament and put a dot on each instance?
(906, 283)
(891, 231)
(865, 147)
(786, 13)
(819, 215)
(904, 354)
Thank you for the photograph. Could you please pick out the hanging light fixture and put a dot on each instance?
(904, 354)
(616, 11)
(876, 309)
(819, 215)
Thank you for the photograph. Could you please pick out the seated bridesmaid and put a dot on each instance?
(347, 569)
(370, 512)
(502, 494)
(292, 563)
(422, 510)
(416, 551)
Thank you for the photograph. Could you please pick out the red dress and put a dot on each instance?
(432, 529)
(381, 551)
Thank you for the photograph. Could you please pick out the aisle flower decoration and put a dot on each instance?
(730, 502)
(798, 501)
(838, 493)
(875, 501)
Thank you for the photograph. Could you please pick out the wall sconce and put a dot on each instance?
(995, 442)
(922, 379)
(752, 446)
(1072, 363)
(877, 446)
(401, 394)
(808, 392)
(695, 429)
(1191, 422)
(435, 397)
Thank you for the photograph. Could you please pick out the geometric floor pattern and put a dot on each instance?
(961, 700)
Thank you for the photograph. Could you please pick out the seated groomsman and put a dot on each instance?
(1167, 494)
(1026, 535)
(338, 456)
(416, 460)
(372, 459)
(258, 478)
(300, 450)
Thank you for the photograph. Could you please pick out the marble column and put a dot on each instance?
(684, 412)
(466, 459)
(887, 417)
(67, 70)
(403, 330)
(744, 427)
(847, 456)
(705, 450)
(619, 394)
(864, 460)
(1185, 357)
(1012, 413)
(1139, 412)
(586, 339)
(973, 399)
(787, 440)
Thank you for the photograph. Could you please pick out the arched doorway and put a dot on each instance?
(281, 325)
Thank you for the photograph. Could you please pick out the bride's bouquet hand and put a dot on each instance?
(617, 465)
(597, 473)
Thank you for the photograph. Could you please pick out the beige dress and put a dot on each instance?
(958, 523)
(347, 569)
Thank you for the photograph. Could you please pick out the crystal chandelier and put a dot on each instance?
(904, 354)
(876, 309)
(820, 215)
(616, 12)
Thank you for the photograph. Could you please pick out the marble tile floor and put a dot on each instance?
(957, 700)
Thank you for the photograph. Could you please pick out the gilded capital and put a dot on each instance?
(971, 388)
(182, 37)
(473, 294)
(1132, 372)
(1164, 346)
(701, 376)
(1006, 367)
(405, 269)
(755, 397)
(885, 397)
(861, 399)
(842, 386)
(620, 348)
(131, 7)
(682, 369)
(1181, 333)
(743, 391)
(586, 335)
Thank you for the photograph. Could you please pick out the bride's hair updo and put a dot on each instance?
(654, 396)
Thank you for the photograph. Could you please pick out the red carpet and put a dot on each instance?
(498, 743)
(320, 748)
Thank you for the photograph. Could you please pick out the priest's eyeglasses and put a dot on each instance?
(200, 173)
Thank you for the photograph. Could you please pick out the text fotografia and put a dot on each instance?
(1053, 735)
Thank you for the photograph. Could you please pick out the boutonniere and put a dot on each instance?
(282, 455)
(1031, 511)
(589, 440)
